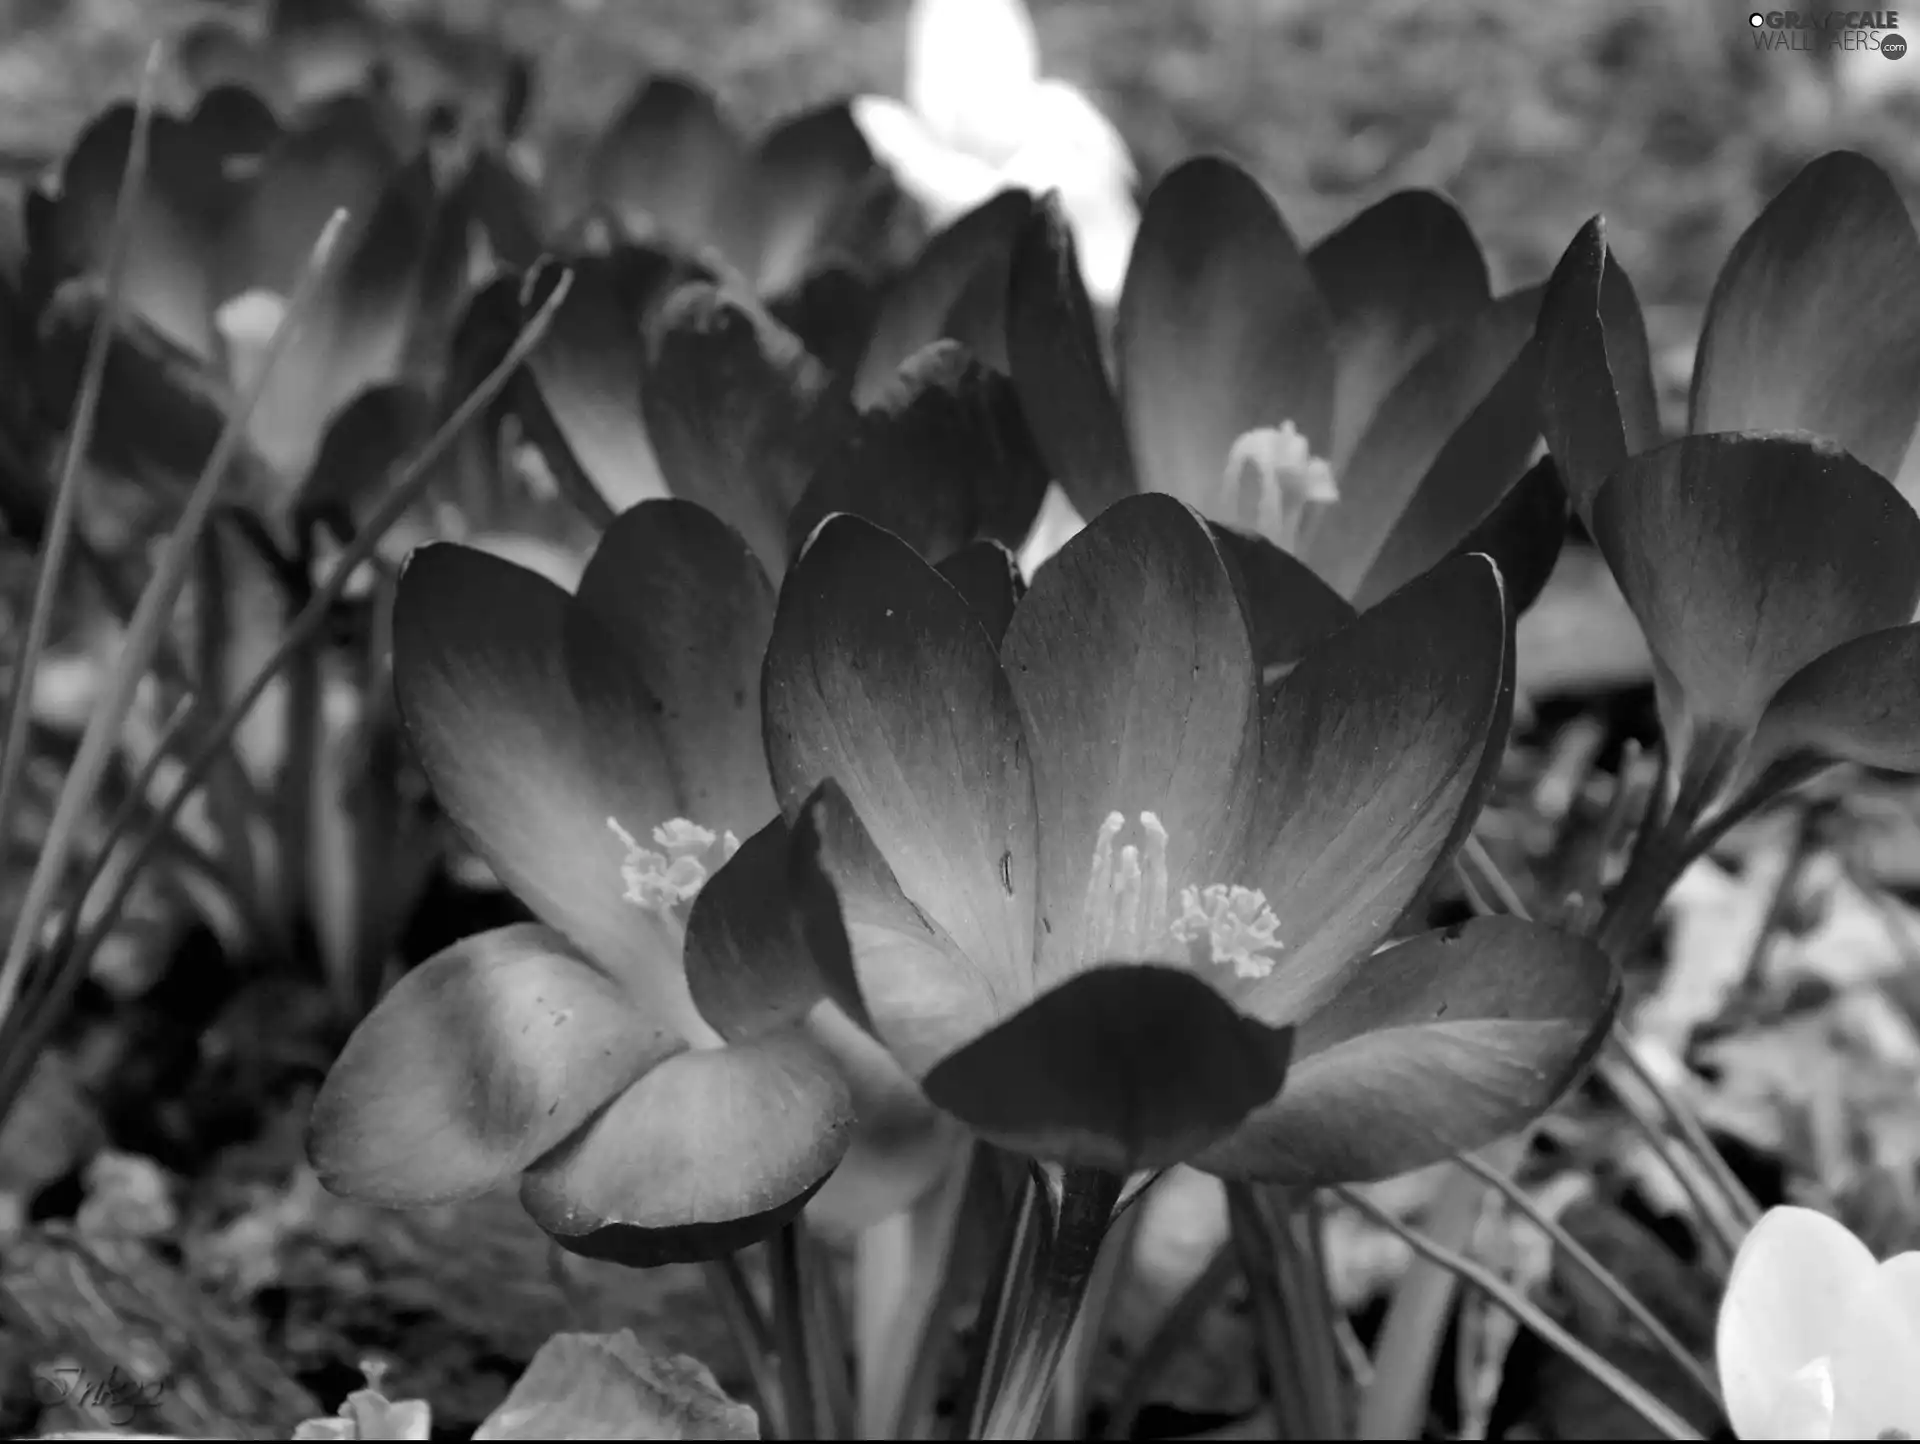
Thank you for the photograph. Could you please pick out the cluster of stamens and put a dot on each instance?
(1272, 482)
(667, 875)
(1128, 913)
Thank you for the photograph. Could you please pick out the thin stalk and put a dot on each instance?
(1280, 1355)
(150, 617)
(1657, 1415)
(1563, 1240)
(800, 1406)
(748, 1325)
(1073, 1208)
(832, 1334)
(66, 496)
(77, 946)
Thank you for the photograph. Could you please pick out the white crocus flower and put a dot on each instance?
(979, 117)
(1817, 1340)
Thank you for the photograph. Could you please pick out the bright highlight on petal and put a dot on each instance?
(1128, 919)
(1271, 484)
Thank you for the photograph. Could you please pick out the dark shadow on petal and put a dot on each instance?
(1859, 703)
(1126, 1066)
(987, 575)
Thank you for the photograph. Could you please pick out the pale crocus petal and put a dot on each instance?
(970, 63)
(1798, 1280)
(1876, 1388)
(1059, 522)
(940, 177)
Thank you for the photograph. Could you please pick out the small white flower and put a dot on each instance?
(1817, 1340)
(980, 117)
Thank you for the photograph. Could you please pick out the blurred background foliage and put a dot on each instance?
(1662, 114)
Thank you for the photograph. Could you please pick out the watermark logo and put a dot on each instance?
(117, 1396)
(1817, 30)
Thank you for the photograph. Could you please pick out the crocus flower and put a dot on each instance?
(713, 400)
(673, 168)
(1103, 893)
(979, 117)
(601, 750)
(1816, 1339)
(1363, 406)
(231, 206)
(1771, 563)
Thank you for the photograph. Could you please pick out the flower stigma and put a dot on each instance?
(1128, 912)
(665, 878)
(1272, 482)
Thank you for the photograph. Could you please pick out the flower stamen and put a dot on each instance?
(668, 875)
(1127, 913)
(1272, 482)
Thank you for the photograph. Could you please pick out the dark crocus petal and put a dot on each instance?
(1814, 324)
(1123, 1067)
(832, 311)
(1475, 471)
(880, 678)
(943, 458)
(668, 163)
(708, 1152)
(1373, 752)
(362, 447)
(1054, 356)
(171, 273)
(1221, 330)
(481, 654)
(1441, 395)
(916, 308)
(677, 590)
(1523, 534)
(1133, 670)
(1438, 1045)
(987, 576)
(1859, 703)
(800, 180)
(1395, 278)
(338, 158)
(1746, 557)
(480, 1060)
(749, 970)
(580, 395)
(739, 414)
(1288, 608)
(1597, 404)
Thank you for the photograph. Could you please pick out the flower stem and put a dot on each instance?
(800, 1409)
(1071, 1208)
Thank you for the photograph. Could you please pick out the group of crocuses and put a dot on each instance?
(989, 718)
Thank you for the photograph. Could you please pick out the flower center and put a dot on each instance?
(665, 878)
(1272, 482)
(1128, 913)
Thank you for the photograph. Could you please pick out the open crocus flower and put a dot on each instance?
(1102, 893)
(715, 401)
(673, 169)
(1366, 407)
(979, 117)
(602, 752)
(231, 206)
(1817, 1340)
(1771, 563)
